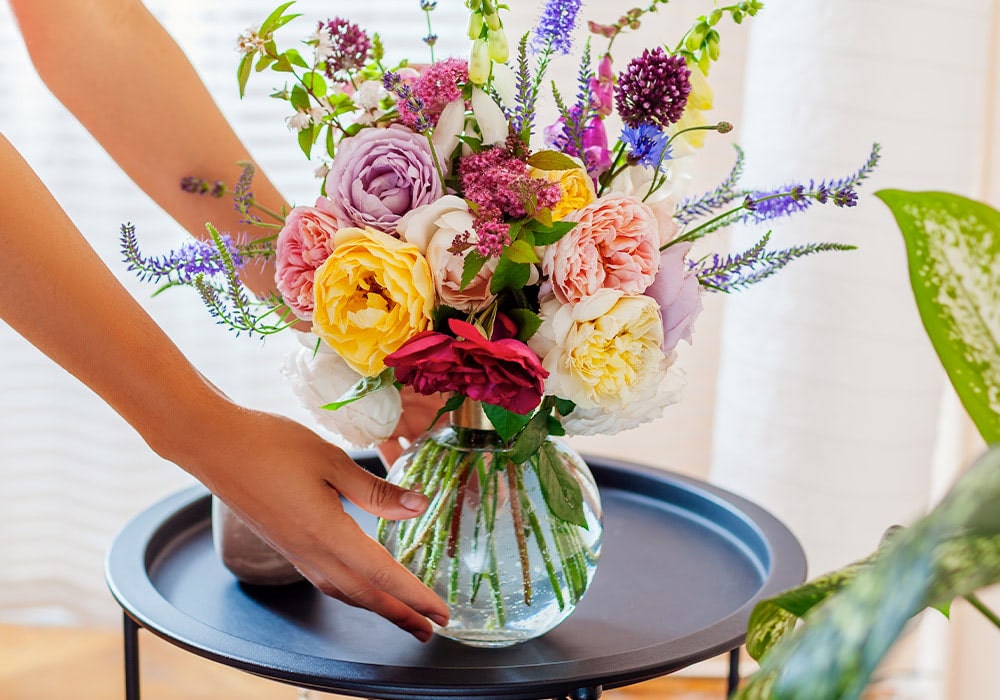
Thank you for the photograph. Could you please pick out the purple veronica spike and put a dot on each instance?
(555, 26)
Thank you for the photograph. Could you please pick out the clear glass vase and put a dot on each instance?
(248, 557)
(489, 543)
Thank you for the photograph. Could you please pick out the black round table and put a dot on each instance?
(683, 564)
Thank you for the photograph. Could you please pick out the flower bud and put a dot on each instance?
(479, 62)
(492, 20)
(499, 50)
(475, 25)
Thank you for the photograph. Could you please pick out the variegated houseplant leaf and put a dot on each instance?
(854, 615)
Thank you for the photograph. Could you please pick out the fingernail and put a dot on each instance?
(423, 635)
(439, 620)
(413, 500)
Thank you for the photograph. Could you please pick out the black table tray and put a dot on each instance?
(682, 566)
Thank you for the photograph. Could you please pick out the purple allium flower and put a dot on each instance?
(345, 46)
(647, 145)
(555, 26)
(653, 88)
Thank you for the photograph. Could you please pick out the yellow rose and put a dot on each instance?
(372, 294)
(577, 189)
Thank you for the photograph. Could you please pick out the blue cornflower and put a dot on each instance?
(555, 26)
(647, 145)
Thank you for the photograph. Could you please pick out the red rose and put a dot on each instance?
(426, 362)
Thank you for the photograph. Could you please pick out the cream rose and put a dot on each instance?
(604, 352)
(433, 228)
(372, 294)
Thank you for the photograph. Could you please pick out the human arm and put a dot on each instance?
(278, 476)
(113, 65)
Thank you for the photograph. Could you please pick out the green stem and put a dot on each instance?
(695, 233)
(981, 607)
(536, 528)
(514, 496)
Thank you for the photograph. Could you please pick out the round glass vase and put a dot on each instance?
(489, 543)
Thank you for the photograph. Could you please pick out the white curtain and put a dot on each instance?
(816, 394)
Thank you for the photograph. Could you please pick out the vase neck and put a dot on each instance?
(470, 415)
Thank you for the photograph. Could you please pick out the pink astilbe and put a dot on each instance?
(439, 84)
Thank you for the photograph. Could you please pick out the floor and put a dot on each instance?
(39, 663)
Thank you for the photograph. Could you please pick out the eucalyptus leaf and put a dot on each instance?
(363, 387)
(953, 246)
(951, 552)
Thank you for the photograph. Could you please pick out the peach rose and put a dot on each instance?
(613, 246)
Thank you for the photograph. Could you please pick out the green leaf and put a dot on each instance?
(263, 62)
(561, 491)
(953, 246)
(527, 322)
(547, 235)
(506, 423)
(314, 83)
(552, 160)
(363, 387)
(331, 147)
(951, 552)
(243, 72)
(474, 262)
(520, 251)
(452, 404)
(296, 59)
(564, 406)
(509, 275)
(299, 98)
(268, 24)
(307, 137)
(532, 437)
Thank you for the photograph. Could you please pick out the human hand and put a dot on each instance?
(285, 482)
(418, 414)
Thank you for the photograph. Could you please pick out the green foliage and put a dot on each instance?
(362, 388)
(953, 246)
(561, 491)
(506, 423)
(951, 552)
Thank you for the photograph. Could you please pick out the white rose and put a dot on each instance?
(603, 352)
(321, 377)
(433, 228)
(596, 421)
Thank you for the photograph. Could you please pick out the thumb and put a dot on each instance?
(378, 496)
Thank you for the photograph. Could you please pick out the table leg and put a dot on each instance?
(733, 682)
(131, 637)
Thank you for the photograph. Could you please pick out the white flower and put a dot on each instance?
(596, 421)
(321, 377)
(505, 83)
(369, 95)
(322, 171)
(449, 127)
(324, 45)
(249, 41)
(602, 352)
(491, 119)
(317, 113)
(298, 121)
(433, 228)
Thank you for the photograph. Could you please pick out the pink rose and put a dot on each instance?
(613, 246)
(678, 292)
(303, 245)
(502, 372)
(380, 174)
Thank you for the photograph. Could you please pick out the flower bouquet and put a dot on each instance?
(537, 276)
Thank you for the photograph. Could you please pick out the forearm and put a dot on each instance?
(57, 293)
(126, 80)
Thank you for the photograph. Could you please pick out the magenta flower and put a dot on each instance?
(439, 84)
(502, 372)
(343, 45)
(602, 88)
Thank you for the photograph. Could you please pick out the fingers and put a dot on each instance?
(361, 572)
(376, 495)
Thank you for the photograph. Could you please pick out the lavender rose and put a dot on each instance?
(677, 291)
(379, 175)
